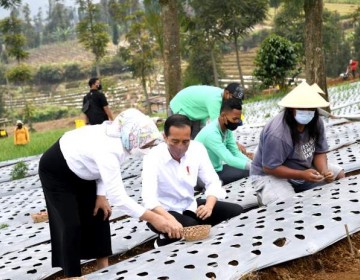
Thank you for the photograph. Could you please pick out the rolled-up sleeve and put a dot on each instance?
(208, 175)
(150, 182)
(111, 183)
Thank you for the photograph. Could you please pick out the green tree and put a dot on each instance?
(356, 38)
(62, 34)
(276, 60)
(115, 34)
(141, 52)
(49, 74)
(171, 51)
(289, 22)
(120, 11)
(15, 41)
(7, 4)
(39, 27)
(304, 21)
(28, 28)
(200, 66)
(20, 75)
(204, 31)
(91, 33)
(234, 19)
(154, 22)
(314, 50)
(59, 23)
(336, 46)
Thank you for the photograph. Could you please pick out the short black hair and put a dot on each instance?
(176, 120)
(92, 81)
(231, 104)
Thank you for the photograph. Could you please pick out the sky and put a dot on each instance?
(36, 4)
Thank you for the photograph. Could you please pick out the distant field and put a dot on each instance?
(342, 1)
(62, 53)
(343, 9)
(39, 142)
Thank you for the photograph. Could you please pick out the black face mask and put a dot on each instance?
(99, 87)
(231, 126)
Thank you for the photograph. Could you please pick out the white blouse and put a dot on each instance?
(92, 155)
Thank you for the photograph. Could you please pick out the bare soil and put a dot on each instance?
(333, 263)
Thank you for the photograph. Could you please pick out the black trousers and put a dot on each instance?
(231, 174)
(75, 233)
(222, 211)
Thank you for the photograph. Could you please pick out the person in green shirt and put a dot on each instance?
(202, 102)
(217, 137)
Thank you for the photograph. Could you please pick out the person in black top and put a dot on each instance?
(95, 105)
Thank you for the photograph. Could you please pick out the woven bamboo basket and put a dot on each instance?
(195, 233)
(40, 217)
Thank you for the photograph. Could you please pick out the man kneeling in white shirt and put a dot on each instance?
(169, 175)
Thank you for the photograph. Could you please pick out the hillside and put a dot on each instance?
(63, 53)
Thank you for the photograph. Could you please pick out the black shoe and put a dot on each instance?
(162, 241)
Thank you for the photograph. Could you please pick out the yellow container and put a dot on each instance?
(3, 133)
(79, 123)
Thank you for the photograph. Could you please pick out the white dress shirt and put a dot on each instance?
(92, 155)
(170, 184)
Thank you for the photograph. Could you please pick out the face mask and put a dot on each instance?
(99, 87)
(233, 126)
(304, 117)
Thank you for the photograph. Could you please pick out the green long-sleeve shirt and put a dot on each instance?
(198, 102)
(221, 147)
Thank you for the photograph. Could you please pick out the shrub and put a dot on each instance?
(111, 66)
(53, 112)
(49, 74)
(19, 171)
(21, 74)
(74, 72)
(276, 60)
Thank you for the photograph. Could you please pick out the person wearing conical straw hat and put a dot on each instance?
(322, 112)
(291, 156)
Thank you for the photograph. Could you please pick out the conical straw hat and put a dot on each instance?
(317, 88)
(303, 96)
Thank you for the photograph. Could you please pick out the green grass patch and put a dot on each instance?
(39, 143)
(3, 226)
(261, 96)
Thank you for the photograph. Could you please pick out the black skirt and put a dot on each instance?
(75, 233)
